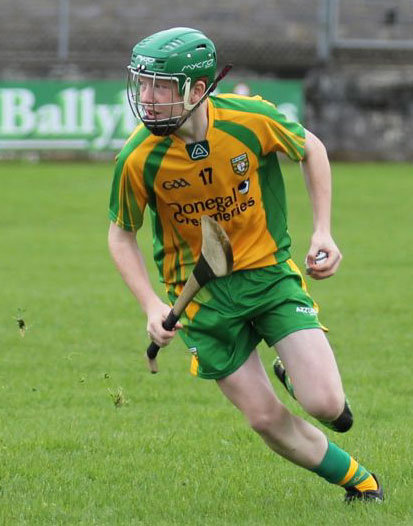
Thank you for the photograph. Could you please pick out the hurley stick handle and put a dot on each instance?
(168, 325)
(188, 292)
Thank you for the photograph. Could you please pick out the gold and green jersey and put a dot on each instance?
(233, 176)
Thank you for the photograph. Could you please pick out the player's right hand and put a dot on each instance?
(157, 314)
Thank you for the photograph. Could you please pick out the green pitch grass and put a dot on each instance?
(89, 437)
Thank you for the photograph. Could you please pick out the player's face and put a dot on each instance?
(160, 98)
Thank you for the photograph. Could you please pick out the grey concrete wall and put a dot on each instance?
(362, 113)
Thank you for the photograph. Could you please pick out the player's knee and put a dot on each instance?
(326, 406)
(264, 422)
(327, 413)
(261, 423)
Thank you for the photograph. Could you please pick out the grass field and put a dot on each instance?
(89, 437)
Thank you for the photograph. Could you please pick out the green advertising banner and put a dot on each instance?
(95, 116)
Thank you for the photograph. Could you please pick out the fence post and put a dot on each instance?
(63, 28)
(327, 28)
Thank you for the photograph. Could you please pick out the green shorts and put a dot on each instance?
(231, 315)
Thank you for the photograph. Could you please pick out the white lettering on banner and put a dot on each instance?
(16, 110)
(49, 120)
(69, 99)
(108, 117)
(82, 115)
(73, 117)
(87, 103)
(78, 111)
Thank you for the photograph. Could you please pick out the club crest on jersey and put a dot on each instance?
(240, 164)
(198, 150)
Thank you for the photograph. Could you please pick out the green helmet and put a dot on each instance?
(180, 51)
(179, 55)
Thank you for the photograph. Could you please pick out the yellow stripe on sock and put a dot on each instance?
(350, 473)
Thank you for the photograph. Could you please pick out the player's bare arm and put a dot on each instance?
(317, 173)
(129, 261)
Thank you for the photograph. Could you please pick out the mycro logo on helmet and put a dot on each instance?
(199, 65)
(147, 60)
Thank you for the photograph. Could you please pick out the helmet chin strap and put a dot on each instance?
(187, 87)
(186, 94)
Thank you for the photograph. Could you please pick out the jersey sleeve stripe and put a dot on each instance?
(293, 142)
(150, 170)
(291, 135)
(242, 133)
(117, 212)
(134, 211)
(122, 190)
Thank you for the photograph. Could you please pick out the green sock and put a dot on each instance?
(338, 467)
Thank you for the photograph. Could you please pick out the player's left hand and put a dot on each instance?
(327, 267)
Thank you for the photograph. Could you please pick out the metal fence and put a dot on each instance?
(85, 38)
(95, 38)
(368, 28)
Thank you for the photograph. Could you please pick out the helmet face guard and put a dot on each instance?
(161, 118)
(152, 114)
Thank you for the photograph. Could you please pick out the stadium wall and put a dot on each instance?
(362, 113)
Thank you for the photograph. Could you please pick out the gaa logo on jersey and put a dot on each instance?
(240, 164)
